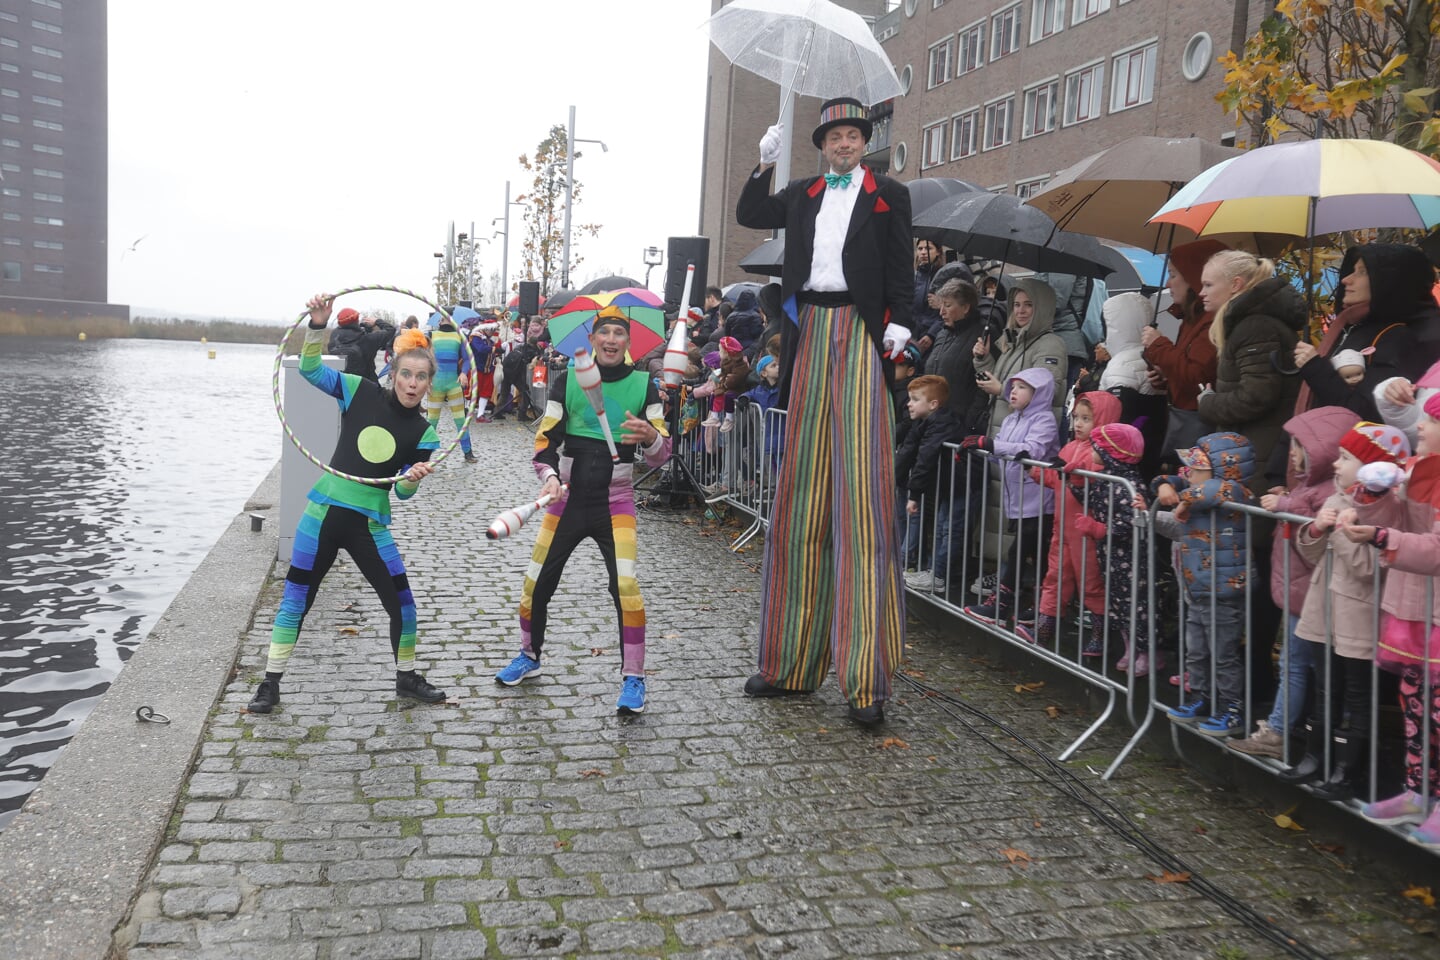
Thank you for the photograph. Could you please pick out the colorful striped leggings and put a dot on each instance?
(831, 575)
(607, 516)
(324, 530)
(448, 396)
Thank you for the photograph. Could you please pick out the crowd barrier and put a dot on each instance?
(740, 468)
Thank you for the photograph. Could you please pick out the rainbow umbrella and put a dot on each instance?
(1308, 188)
(570, 328)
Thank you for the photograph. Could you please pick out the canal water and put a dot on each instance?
(121, 463)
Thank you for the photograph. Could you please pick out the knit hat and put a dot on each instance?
(1347, 358)
(730, 345)
(1374, 442)
(712, 359)
(1432, 406)
(1119, 441)
(346, 317)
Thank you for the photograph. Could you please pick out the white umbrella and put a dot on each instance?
(812, 48)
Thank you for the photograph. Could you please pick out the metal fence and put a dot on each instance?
(962, 538)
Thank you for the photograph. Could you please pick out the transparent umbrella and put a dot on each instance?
(811, 48)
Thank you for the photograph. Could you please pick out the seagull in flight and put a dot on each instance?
(132, 247)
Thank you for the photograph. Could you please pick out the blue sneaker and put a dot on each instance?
(632, 696)
(518, 669)
(1191, 711)
(1230, 723)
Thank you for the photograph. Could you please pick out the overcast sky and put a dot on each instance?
(272, 148)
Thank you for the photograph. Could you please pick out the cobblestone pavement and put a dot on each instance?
(535, 822)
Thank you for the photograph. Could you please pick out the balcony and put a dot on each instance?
(880, 135)
(887, 25)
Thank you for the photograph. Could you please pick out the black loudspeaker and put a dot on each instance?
(683, 252)
(529, 297)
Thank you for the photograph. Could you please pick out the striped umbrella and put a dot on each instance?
(1310, 187)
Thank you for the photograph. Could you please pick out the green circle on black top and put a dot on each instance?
(376, 444)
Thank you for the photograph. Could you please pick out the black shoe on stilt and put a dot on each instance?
(411, 684)
(267, 697)
(871, 716)
(758, 686)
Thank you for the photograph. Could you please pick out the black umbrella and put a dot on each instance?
(1000, 227)
(732, 292)
(766, 259)
(559, 298)
(928, 191)
(606, 284)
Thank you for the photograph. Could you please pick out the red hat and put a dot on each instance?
(1432, 404)
(1120, 441)
(731, 345)
(346, 317)
(1375, 442)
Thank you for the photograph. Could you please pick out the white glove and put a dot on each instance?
(770, 143)
(895, 339)
(1380, 476)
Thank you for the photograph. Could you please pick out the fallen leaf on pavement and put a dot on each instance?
(349, 630)
(561, 844)
(933, 759)
(596, 651)
(889, 742)
(1052, 712)
(1037, 824)
(1422, 894)
(670, 636)
(823, 730)
(1016, 856)
(587, 774)
(1170, 876)
(1029, 687)
(1284, 822)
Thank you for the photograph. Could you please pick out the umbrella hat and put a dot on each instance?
(812, 48)
(1311, 187)
(570, 329)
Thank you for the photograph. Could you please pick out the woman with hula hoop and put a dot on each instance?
(384, 435)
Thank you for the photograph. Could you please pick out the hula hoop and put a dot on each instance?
(304, 317)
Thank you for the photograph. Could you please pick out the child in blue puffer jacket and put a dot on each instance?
(1212, 563)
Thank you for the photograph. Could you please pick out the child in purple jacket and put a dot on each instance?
(1029, 432)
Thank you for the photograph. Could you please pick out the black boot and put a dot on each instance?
(1311, 766)
(1351, 772)
(267, 695)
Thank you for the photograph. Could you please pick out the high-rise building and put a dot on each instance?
(53, 146)
(1002, 93)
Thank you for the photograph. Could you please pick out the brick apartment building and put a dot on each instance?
(1002, 93)
(53, 153)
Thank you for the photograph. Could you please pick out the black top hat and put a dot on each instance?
(840, 112)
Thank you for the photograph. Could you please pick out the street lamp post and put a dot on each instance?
(469, 246)
(439, 276)
(653, 259)
(505, 255)
(570, 141)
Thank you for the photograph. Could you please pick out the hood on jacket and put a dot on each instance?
(950, 271)
(1318, 431)
(1042, 295)
(1189, 259)
(1044, 383)
(746, 302)
(1126, 314)
(1230, 455)
(1104, 405)
(1272, 297)
(1400, 279)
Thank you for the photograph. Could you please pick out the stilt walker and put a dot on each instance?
(832, 587)
(573, 447)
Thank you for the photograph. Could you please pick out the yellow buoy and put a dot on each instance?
(82, 335)
(210, 354)
(204, 340)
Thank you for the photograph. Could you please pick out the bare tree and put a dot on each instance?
(544, 243)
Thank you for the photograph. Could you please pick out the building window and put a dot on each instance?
(47, 27)
(9, 68)
(9, 118)
(1005, 32)
(1047, 18)
(9, 192)
(48, 221)
(48, 268)
(7, 42)
(42, 75)
(1195, 61)
(52, 174)
(939, 69)
(1132, 78)
(49, 245)
(1025, 189)
(999, 118)
(48, 125)
(932, 151)
(1039, 109)
(10, 167)
(1082, 93)
(10, 270)
(48, 197)
(43, 148)
(7, 142)
(7, 92)
(1085, 9)
(965, 134)
(972, 48)
(47, 101)
(46, 51)
(11, 241)
(52, 4)
(10, 216)
(9, 17)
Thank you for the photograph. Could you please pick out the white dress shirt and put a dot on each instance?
(827, 270)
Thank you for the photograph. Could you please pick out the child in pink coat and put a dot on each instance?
(1068, 558)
